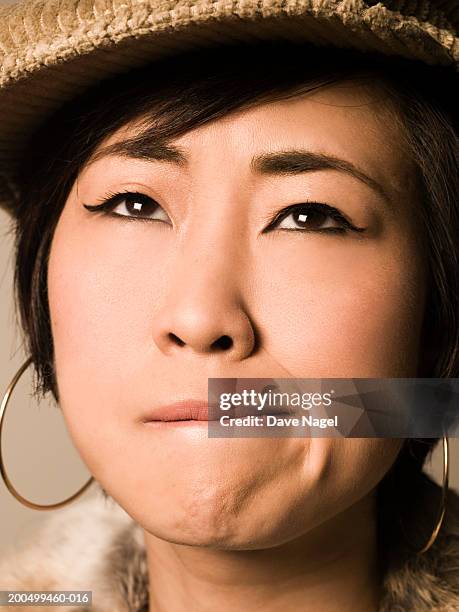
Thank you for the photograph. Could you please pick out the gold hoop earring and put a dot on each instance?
(441, 514)
(9, 484)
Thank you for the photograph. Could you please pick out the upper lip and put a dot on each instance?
(200, 410)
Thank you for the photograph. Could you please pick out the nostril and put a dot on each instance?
(223, 343)
(176, 339)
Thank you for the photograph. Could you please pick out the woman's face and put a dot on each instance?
(136, 307)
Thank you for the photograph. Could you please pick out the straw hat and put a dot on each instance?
(50, 50)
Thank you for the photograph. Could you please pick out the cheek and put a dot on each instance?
(336, 309)
(102, 301)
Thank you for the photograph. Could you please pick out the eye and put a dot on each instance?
(132, 205)
(312, 217)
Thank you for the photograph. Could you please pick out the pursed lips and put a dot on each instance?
(199, 410)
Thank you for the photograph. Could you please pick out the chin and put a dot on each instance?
(217, 527)
(210, 539)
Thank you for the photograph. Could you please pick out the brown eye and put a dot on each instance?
(312, 217)
(140, 205)
(132, 206)
(135, 204)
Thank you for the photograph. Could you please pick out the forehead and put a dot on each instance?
(353, 120)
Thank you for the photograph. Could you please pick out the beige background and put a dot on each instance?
(39, 455)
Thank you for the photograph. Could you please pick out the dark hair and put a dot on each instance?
(177, 94)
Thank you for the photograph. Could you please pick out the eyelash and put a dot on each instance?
(326, 209)
(112, 199)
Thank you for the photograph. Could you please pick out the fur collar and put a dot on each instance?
(95, 545)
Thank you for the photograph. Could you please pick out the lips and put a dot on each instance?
(185, 410)
(198, 410)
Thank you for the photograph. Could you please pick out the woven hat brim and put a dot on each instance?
(51, 50)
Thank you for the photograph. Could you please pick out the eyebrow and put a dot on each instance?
(276, 163)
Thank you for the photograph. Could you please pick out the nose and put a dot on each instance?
(204, 313)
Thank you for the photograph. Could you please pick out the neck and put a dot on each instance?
(332, 568)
